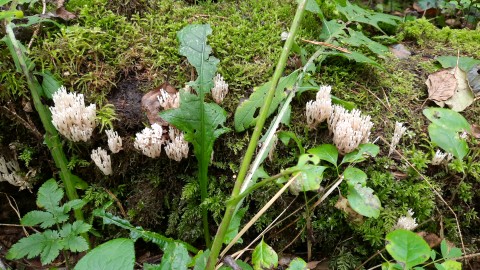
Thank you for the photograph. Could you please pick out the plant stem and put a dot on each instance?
(52, 139)
(230, 208)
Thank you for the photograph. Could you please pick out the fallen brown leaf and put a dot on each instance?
(441, 85)
(61, 12)
(151, 105)
(432, 239)
(475, 131)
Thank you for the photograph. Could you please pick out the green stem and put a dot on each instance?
(51, 135)
(230, 208)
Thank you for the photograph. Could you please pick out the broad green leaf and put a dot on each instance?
(327, 152)
(333, 29)
(264, 257)
(448, 140)
(49, 195)
(200, 260)
(243, 266)
(309, 179)
(12, 14)
(193, 45)
(358, 39)
(364, 150)
(357, 57)
(452, 265)
(307, 159)
(139, 232)
(464, 63)
(175, 257)
(362, 200)
(32, 218)
(447, 119)
(407, 248)
(246, 114)
(297, 264)
(354, 176)
(391, 266)
(118, 254)
(439, 266)
(234, 226)
(354, 13)
(50, 85)
(449, 252)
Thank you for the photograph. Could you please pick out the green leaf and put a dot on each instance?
(355, 13)
(234, 226)
(364, 150)
(439, 266)
(297, 264)
(310, 178)
(73, 204)
(464, 63)
(264, 257)
(75, 243)
(200, 260)
(285, 136)
(452, 265)
(243, 266)
(46, 244)
(333, 29)
(357, 57)
(407, 247)
(49, 195)
(78, 227)
(175, 257)
(247, 112)
(447, 119)
(327, 152)
(139, 232)
(118, 254)
(449, 252)
(147, 266)
(358, 39)
(50, 85)
(193, 45)
(354, 176)
(433, 255)
(362, 200)
(312, 6)
(32, 218)
(12, 14)
(448, 140)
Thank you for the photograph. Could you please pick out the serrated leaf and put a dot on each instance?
(357, 57)
(193, 45)
(354, 13)
(45, 244)
(264, 257)
(362, 200)
(465, 63)
(75, 243)
(354, 176)
(448, 140)
(32, 218)
(78, 227)
(407, 247)
(73, 204)
(297, 264)
(364, 150)
(118, 254)
(175, 257)
(246, 114)
(234, 226)
(327, 152)
(333, 29)
(49, 195)
(447, 119)
(358, 39)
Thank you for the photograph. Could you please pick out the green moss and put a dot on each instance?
(425, 33)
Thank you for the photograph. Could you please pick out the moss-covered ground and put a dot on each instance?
(114, 53)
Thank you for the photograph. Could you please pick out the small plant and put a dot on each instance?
(410, 251)
(49, 243)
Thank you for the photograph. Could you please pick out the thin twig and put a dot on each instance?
(24, 122)
(15, 208)
(326, 45)
(381, 101)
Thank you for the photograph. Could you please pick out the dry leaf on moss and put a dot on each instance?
(463, 96)
(441, 85)
(151, 105)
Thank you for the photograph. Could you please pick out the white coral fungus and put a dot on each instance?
(150, 141)
(9, 171)
(440, 157)
(220, 90)
(70, 116)
(168, 101)
(397, 135)
(350, 129)
(319, 110)
(114, 141)
(177, 147)
(407, 222)
(102, 160)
